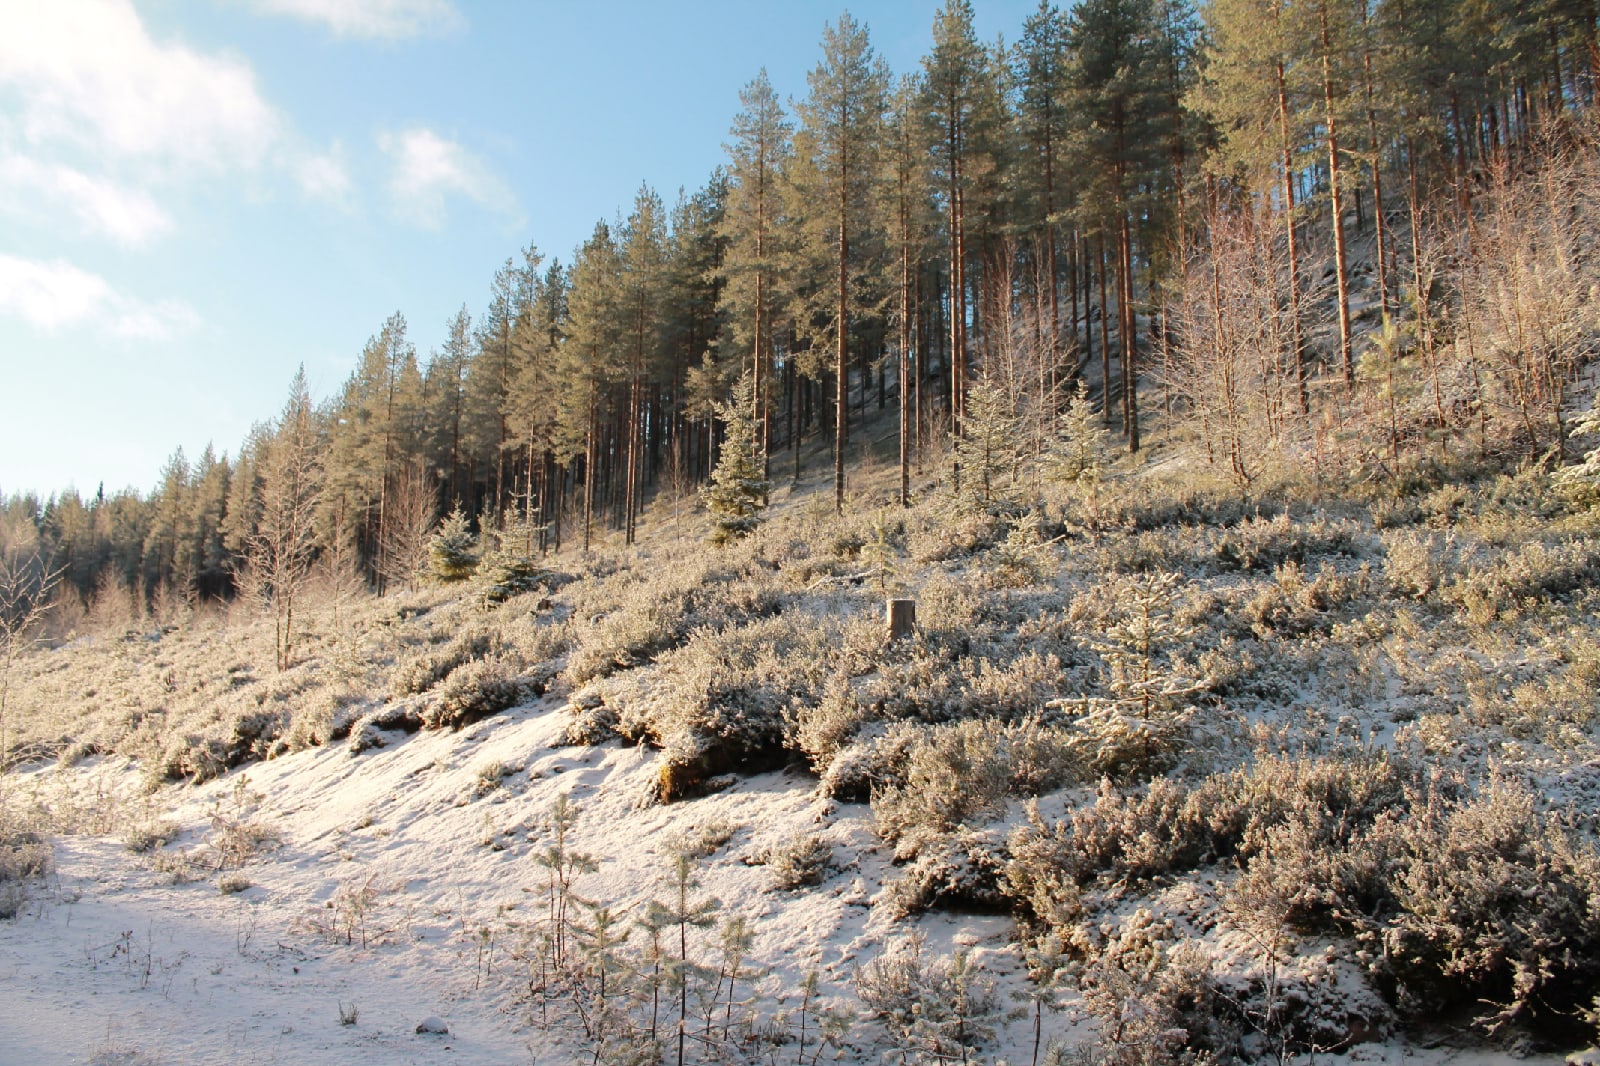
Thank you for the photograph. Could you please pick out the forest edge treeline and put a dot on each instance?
(1134, 192)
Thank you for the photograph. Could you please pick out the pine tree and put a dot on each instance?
(643, 255)
(959, 100)
(279, 554)
(738, 490)
(837, 147)
(445, 387)
(907, 210)
(987, 448)
(754, 228)
(1119, 124)
(1041, 76)
(452, 551)
(588, 362)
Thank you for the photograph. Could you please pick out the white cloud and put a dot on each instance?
(87, 73)
(428, 168)
(54, 295)
(128, 216)
(324, 177)
(384, 19)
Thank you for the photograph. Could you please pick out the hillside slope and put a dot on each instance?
(1312, 770)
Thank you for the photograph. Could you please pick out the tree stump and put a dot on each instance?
(902, 618)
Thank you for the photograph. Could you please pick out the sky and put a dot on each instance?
(199, 196)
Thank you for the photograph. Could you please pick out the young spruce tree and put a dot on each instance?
(738, 490)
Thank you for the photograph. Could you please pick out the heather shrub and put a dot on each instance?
(726, 699)
(798, 861)
(1415, 564)
(1169, 827)
(152, 834)
(962, 773)
(961, 870)
(478, 689)
(821, 730)
(629, 618)
(421, 672)
(1534, 572)
(1495, 903)
(367, 732)
(1151, 995)
(24, 855)
(1269, 543)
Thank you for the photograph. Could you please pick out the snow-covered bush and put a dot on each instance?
(476, 690)
(633, 616)
(962, 774)
(1495, 903)
(1150, 992)
(961, 870)
(799, 861)
(424, 670)
(25, 854)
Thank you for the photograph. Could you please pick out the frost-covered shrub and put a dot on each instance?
(1415, 564)
(321, 721)
(631, 618)
(476, 690)
(1292, 606)
(1022, 559)
(1151, 994)
(962, 773)
(23, 853)
(1170, 827)
(1496, 903)
(426, 669)
(726, 699)
(1536, 571)
(799, 861)
(935, 1010)
(592, 723)
(963, 870)
(152, 834)
(821, 730)
(956, 775)
(368, 731)
(1269, 543)
(873, 761)
(952, 537)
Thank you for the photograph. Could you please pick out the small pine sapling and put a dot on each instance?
(1048, 970)
(1140, 728)
(986, 448)
(684, 911)
(880, 553)
(563, 866)
(1076, 457)
(600, 943)
(1023, 557)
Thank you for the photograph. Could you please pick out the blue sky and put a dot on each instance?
(197, 196)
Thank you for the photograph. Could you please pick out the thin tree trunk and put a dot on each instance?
(1297, 337)
(1336, 195)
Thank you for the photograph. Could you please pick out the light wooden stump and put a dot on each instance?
(902, 618)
